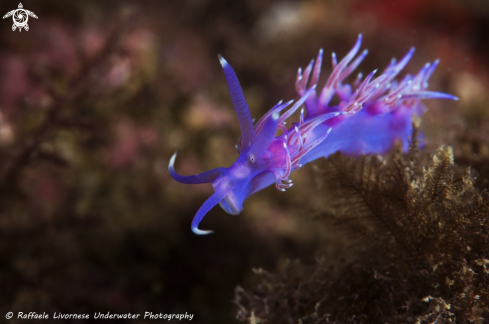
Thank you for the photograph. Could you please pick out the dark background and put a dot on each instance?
(97, 96)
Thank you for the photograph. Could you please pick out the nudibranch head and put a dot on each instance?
(263, 159)
(367, 120)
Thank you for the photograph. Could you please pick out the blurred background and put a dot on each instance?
(97, 96)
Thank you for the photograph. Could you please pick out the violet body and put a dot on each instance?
(372, 115)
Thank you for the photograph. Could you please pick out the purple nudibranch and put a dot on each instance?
(372, 114)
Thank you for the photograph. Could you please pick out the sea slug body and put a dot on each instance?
(372, 114)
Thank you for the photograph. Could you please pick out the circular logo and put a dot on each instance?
(20, 18)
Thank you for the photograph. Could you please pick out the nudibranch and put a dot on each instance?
(372, 114)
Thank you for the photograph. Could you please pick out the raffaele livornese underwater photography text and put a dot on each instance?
(249, 161)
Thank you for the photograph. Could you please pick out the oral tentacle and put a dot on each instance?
(205, 208)
(206, 177)
(240, 106)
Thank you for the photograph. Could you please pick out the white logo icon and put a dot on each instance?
(20, 16)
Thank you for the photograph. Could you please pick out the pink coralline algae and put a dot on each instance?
(373, 113)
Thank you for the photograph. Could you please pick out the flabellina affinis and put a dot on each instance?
(372, 115)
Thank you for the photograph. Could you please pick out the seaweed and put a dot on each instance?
(421, 237)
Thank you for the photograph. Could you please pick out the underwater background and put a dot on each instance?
(97, 96)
